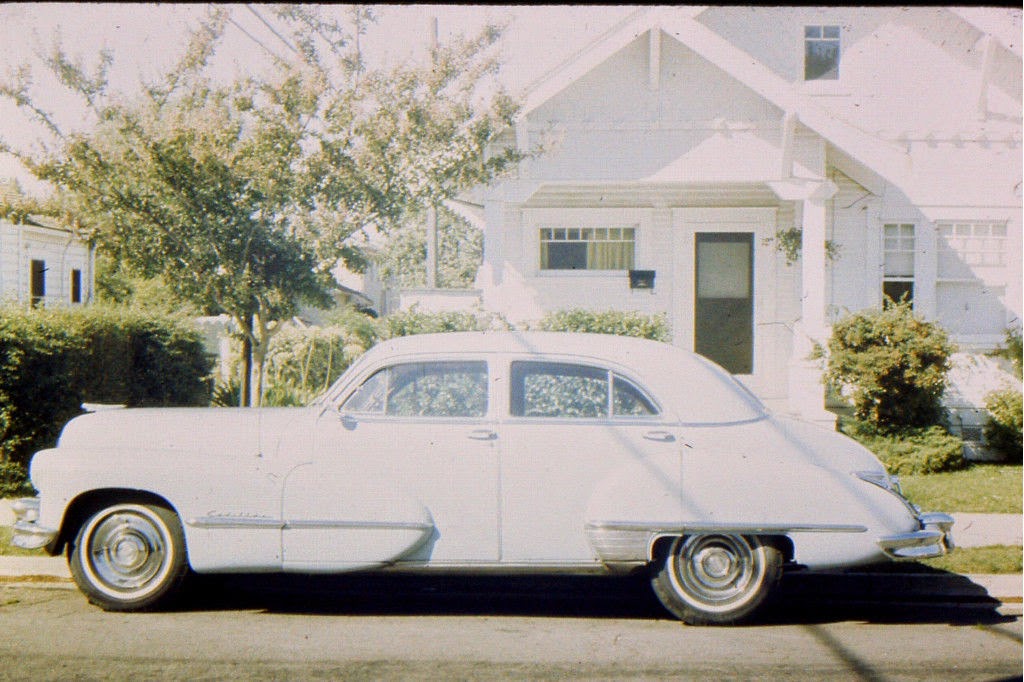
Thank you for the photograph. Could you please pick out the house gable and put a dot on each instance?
(613, 126)
(885, 158)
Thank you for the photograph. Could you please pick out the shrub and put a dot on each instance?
(1013, 350)
(1003, 429)
(909, 450)
(893, 364)
(409, 322)
(653, 327)
(53, 360)
(13, 480)
(303, 362)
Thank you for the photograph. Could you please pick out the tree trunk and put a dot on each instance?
(245, 399)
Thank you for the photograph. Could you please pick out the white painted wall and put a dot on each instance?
(626, 149)
(62, 253)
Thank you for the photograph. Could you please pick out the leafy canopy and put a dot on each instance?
(242, 196)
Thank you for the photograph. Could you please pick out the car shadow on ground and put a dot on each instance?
(804, 598)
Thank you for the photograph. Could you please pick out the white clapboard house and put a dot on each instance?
(686, 145)
(44, 264)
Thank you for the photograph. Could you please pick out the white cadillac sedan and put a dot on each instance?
(477, 452)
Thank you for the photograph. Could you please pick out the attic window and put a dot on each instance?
(821, 53)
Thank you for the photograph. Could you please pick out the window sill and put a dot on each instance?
(583, 273)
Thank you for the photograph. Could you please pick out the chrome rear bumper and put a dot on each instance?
(27, 533)
(933, 539)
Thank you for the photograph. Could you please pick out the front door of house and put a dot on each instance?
(724, 306)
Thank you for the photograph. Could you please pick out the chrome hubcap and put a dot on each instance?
(716, 572)
(126, 551)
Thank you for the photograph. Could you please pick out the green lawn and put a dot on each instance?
(993, 559)
(982, 488)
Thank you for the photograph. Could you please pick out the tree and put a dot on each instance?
(243, 196)
(460, 248)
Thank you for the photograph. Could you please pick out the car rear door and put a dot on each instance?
(575, 429)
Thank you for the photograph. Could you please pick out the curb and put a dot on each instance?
(923, 588)
(915, 587)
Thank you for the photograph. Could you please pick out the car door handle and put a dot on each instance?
(483, 434)
(660, 436)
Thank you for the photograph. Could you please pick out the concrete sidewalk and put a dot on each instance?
(981, 530)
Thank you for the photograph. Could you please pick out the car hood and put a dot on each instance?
(206, 430)
(787, 436)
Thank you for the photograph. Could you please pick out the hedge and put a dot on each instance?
(909, 450)
(53, 360)
(616, 322)
(1003, 431)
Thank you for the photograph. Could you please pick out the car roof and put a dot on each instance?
(669, 371)
(622, 349)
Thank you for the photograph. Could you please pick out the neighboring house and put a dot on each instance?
(42, 263)
(684, 140)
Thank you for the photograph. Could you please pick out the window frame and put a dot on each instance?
(948, 242)
(76, 285)
(37, 282)
(560, 234)
(383, 413)
(820, 38)
(901, 238)
(611, 374)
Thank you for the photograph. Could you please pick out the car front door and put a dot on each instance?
(406, 470)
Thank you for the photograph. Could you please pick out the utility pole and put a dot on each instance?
(432, 208)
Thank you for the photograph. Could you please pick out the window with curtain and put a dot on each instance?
(587, 248)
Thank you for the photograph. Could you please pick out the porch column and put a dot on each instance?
(806, 390)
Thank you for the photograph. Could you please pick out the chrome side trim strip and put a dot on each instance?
(235, 522)
(358, 525)
(242, 522)
(617, 542)
(741, 528)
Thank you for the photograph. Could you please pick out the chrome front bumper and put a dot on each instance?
(28, 534)
(933, 539)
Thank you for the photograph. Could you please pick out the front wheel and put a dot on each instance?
(716, 579)
(129, 556)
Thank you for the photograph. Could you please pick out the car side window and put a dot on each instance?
(630, 401)
(558, 389)
(568, 390)
(369, 397)
(424, 389)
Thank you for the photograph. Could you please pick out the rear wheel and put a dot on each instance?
(129, 556)
(716, 579)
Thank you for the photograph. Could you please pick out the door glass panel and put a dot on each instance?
(424, 389)
(629, 401)
(724, 306)
(724, 270)
(555, 389)
(369, 398)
